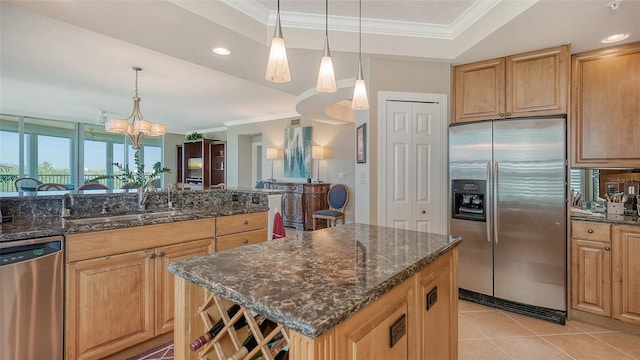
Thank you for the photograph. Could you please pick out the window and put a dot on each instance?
(49, 150)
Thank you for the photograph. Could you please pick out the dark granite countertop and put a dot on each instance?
(33, 227)
(311, 281)
(610, 218)
(39, 215)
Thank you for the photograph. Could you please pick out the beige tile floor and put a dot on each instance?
(488, 333)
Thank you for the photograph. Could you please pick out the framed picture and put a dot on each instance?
(297, 152)
(361, 144)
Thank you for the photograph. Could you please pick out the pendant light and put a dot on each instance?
(278, 64)
(359, 100)
(326, 77)
(139, 126)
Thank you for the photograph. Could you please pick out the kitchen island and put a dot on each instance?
(350, 292)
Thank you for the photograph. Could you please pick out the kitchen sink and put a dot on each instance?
(128, 217)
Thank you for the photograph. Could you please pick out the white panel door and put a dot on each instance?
(415, 185)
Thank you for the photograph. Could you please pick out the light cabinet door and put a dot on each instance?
(368, 333)
(626, 273)
(537, 82)
(164, 279)
(438, 312)
(479, 91)
(606, 89)
(591, 276)
(109, 304)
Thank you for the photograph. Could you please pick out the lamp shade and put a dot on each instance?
(116, 126)
(157, 129)
(272, 153)
(317, 152)
(326, 77)
(360, 101)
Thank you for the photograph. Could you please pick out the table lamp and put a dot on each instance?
(317, 153)
(272, 154)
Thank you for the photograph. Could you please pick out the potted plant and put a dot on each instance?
(194, 136)
(137, 179)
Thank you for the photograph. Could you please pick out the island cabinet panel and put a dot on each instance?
(118, 292)
(606, 110)
(626, 273)
(438, 307)
(530, 84)
(382, 330)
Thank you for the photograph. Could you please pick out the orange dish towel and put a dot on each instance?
(278, 227)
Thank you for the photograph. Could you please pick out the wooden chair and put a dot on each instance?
(218, 186)
(26, 184)
(338, 198)
(94, 186)
(51, 187)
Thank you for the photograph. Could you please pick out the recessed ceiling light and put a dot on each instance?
(614, 38)
(221, 51)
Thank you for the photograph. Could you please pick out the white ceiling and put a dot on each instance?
(69, 59)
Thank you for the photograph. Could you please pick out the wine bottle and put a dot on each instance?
(206, 337)
(250, 342)
(282, 355)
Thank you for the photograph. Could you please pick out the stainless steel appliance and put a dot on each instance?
(31, 300)
(515, 256)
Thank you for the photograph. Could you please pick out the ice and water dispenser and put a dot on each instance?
(468, 199)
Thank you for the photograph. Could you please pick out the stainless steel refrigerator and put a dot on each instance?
(508, 191)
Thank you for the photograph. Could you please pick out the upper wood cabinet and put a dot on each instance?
(531, 84)
(606, 110)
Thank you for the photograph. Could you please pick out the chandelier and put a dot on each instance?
(139, 126)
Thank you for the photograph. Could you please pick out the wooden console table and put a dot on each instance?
(299, 201)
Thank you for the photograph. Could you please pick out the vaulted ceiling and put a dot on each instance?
(70, 59)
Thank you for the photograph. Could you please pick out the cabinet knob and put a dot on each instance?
(590, 231)
(245, 241)
(508, 114)
(607, 248)
(152, 256)
(424, 211)
(501, 114)
(246, 222)
(160, 254)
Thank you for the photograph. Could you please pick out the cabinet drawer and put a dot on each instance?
(239, 223)
(237, 240)
(594, 231)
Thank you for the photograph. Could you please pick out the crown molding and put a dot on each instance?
(298, 20)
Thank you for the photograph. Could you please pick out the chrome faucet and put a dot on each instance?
(67, 203)
(143, 193)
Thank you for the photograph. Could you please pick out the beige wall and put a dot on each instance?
(170, 158)
(400, 76)
(339, 152)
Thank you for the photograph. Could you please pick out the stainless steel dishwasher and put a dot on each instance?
(31, 299)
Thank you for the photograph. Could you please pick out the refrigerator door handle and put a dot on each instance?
(488, 208)
(495, 203)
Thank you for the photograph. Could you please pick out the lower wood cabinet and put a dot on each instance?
(591, 276)
(605, 270)
(118, 292)
(626, 273)
(239, 230)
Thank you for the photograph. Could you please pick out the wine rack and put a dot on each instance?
(214, 303)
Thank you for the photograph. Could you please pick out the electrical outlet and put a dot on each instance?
(235, 197)
(342, 175)
(255, 199)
